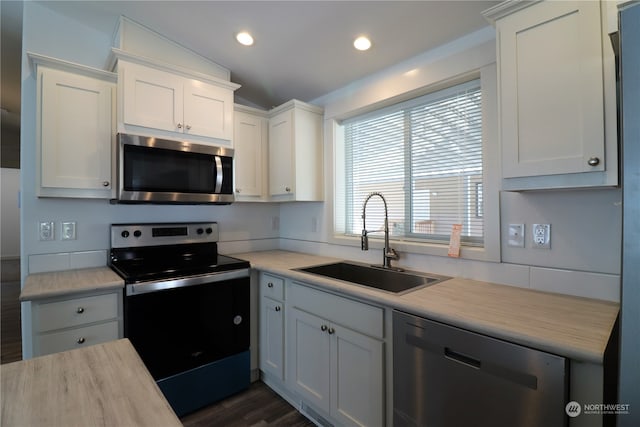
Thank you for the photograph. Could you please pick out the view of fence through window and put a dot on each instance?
(425, 157)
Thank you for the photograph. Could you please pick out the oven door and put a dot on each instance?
(178, 329)
(164, 171)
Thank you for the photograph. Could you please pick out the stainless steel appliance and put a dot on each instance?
(153, 170)
(449, 377)
(186, 309)
(629, 61)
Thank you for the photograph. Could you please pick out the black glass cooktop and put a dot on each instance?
(154, 263)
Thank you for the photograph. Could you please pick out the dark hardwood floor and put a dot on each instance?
(259, 406)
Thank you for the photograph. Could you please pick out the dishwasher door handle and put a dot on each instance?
(462, 358)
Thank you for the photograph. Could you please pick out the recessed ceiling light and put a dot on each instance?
(362, 43)
(244, 38)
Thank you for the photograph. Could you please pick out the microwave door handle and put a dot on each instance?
(218, 188)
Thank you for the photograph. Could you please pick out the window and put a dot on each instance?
(425, 157)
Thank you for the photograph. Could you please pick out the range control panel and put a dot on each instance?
(136, 235)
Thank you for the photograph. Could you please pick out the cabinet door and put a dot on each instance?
(152, 98)
(551, 89)
(281, 154)
(249, 140)
(357, 378)
(75, 131)
(309, 358)
(272, 337)
(208, 110)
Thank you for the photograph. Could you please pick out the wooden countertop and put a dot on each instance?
(577, 328)
(101, 385)
(58, 283)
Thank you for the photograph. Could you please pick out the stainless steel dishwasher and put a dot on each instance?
(444, 376)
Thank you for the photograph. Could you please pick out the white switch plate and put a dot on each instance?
(516, 235)
(46, 230)
(541, 236)
(68, 230)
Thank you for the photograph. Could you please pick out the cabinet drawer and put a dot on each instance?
(75, 312)
(358, 316)
(55, 342)
(272, 286)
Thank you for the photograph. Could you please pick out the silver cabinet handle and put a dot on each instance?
(179, 125)
(269, 285)
(80, 310)
(287, 189)
(278, 308)
(323, 328)
(593, 161)
(105, 183)
(80, 340)
(331, 331)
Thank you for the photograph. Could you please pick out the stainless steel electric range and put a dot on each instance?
(186, 309)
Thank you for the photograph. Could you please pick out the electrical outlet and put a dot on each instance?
(69, 230)
(516, 235)
(46, 230)
(541, 236)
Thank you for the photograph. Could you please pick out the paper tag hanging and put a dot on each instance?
(454, 242)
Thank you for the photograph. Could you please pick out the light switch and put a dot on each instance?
(516, 235)
(69, 230)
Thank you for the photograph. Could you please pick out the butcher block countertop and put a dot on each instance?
(101, 385)
(577, 328)
(59, 283)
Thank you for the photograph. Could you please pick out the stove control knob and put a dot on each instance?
(137, 233)
(125, 234)
(209, 230)
(200, 231)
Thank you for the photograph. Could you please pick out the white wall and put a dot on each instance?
(243, 227)
(584, 258)
(10, 214)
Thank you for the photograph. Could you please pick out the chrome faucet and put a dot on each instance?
(388, 253)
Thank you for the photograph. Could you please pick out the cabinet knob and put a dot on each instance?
(278, 308)
(188, 127)
(238, 190)
(593, 161)
(323, 328)
(331, 331)
(269, 285)
(80, 340)
(105, 183)
(287, 189)
(80, 310)
(179, 125)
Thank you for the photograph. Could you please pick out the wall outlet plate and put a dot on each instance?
(516, 235)
(541, 236)
(46, 230)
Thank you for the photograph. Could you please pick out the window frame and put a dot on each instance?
(491, 171)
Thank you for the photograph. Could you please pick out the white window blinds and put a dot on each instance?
(425, 157)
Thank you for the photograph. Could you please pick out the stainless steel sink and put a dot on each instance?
(385, 279)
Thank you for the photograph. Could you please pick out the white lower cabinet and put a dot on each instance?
(68, 322)
(335, 356)
(272, 326)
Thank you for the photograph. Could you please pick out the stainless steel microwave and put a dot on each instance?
(154, 170)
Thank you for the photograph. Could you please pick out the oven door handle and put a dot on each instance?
(160, 285)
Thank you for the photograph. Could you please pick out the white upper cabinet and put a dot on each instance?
(250, 140)
(75, 119)
(296, 152)
(557, 96)
(172, 105)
